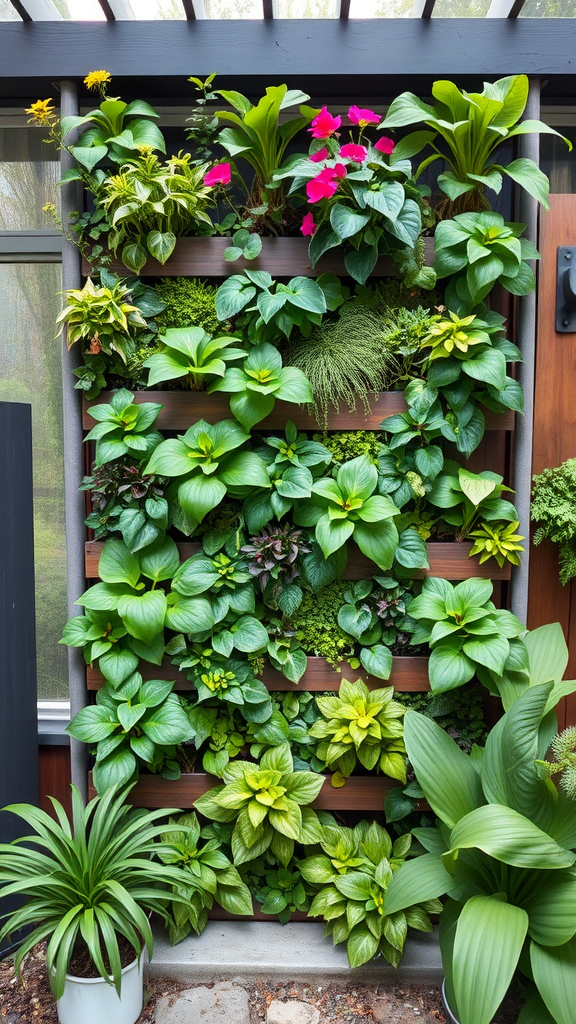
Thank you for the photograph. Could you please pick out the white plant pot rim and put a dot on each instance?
(99, 980)
(451, 1017)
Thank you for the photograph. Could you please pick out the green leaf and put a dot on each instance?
(362, 946)
(377, 660)
(167, 723)
(554, 970)
(117, 664)
(303, 787)
(360, 262)
(161, 245)
(199, 495)
(89, 156)
(347, 222)
(378, 541)
(551, 908)
(159, 561)
(143, 615)
(417, 880)
(475, 487)
(91, 724)
(527, 174)
(134, 256)
(446, 774)
(547, 653)
(489, 939)
(117, 564)
(448, 668)
(506, 835)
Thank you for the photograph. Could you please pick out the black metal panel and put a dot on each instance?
(18, 715)
(347, 48)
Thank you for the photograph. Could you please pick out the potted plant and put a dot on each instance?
(502, 851)
(90, 886)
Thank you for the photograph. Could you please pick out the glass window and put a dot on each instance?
(29, 170)
(31, 371)
(556, 161)
(306, 9)
(230, 8)
(151, 10)
(80, 10)
(381, 8)
(460, 8)
(7, 12)
(548, 9)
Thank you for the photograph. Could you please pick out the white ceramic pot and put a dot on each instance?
(452, 1019)
(93, 1001)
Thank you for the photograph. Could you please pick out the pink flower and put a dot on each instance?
(339, 171)
(353, 152)
(219, 175)
(385, 145)
(363, 117)
(321, 154)
(317, 189)
(324, 125)
(308, 225)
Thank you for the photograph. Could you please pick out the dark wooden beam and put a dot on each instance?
(21, 10)
(267, 10)
(423, 8)
(189, 10)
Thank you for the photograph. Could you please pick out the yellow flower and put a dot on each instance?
(41, 112)
(98, 80)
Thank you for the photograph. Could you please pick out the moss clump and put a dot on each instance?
(394, 294)
(554, 509)
(316, 624)
(348, 444)
(190, 302)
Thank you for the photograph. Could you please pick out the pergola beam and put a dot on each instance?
(423, 8)
(189, 10)
(505, 8)
(117, 10)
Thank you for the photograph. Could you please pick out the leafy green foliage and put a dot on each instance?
(259, 383)
(275, 561)
(191, 353)
(316, 626)
(279, 890)
(207, 877)
(499, 541)
(124, 427)
(220, 729)
(374, 613)
(554, 510)
(150, 204)
(115, 132)
(361, 725)
(278, 307)
(499, 256)
(464, 631)
(473, 126)
(265, 801)
(474, 497)
(348, 444)
(127, 501)
(502, 854)
(86, 881)
(101, 317)
(563, 747)
(134, 724)
(352, 875)
(207, 459)
(189, 302)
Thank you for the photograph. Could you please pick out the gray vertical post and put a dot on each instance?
(529, 146)
(73, 467)
(18, 692)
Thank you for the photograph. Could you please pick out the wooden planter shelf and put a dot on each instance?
(448, 559)
(409, 675)
(281, 257)
(183, 408)
(361, 792)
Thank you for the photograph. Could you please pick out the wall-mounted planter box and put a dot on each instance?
(408, 675)
(182, 408)
(361, 792)
(448, 559)
(281, 257)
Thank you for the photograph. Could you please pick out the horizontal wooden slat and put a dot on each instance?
(182, 408)
(448, 559)
(408, 675)
(361, 792)
(281, 257)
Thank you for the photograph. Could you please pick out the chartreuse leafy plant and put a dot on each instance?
(499, 541)
(132, 725)
(259, 383)
(477, 251)
(207, 459)
(265, 801)
(190, 353)
(475, 498)
(347, 507)
(473, 125)
(464, 631)
(207, 877)
(503, 853)
(353, 873)
(145, 612)
(124, 427)
(102, 317)
(86, 882)
(361, 725)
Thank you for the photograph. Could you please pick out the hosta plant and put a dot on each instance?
(207, 877)
(102, 317)
(124, 427)
(472, 126)
(190, 354)
(347, 507)
(132, 725)
(86, 881)
(354, 872)
(464, 630)
(259, 383)
(503, 854)
(226, 580)
(207, 462)
(477, 251)
(362, 725)
(265, 801)
(113, 131)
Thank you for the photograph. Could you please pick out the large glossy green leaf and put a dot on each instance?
(554, 970)
(378, 541)
(547, 653)
(143, 614)
(423, 878)
(535, 1012)
(489, 938)
(199, 495)
(449, 667)
(362, 946)
(506, 835)
(551, 907)
(447, 775)
(117, 564)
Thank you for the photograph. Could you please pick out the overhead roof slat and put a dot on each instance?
(120, 10)
(423, 8)
(505, 8)
(37, 10)
(189, 10)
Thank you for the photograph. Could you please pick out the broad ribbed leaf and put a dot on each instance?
(508, 836)
(554, 970)
(489, 938)
(448, 777)
(551, 907)
(417, 880)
